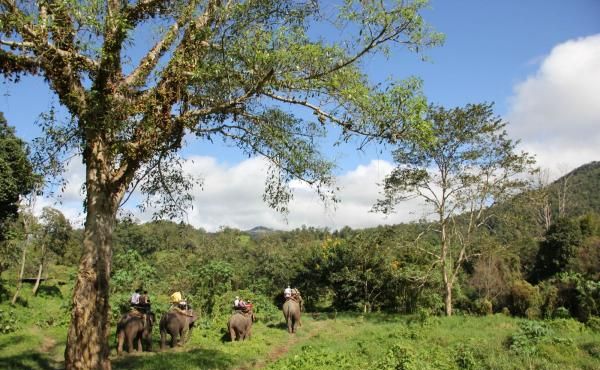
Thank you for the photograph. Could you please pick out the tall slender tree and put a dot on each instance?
(217, 68)
(468, 166)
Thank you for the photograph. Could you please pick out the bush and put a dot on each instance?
(8, 321)
(592, 348)
(561, 313)
(483, 307)
(525, 341)
(549, 298)
(594, 323)
(524, 296)
(465, 359)
(398, 358)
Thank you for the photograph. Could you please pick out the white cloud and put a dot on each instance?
(231, 195)
(556, 111)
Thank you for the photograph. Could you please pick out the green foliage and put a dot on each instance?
(471, 162)
(131, 271)
(465, 357)
(16, 173)
(562, 313)
(8, 321)
(524, 296)
(594, 323)
(483, 306)
(314, 358)
(558, 248)
(398, 357)
(526, 340)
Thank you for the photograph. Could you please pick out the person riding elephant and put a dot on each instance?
(135, 326)
(178, 324)
(239, 325)
(291, 313)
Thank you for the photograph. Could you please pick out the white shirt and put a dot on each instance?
(287, 292)
(135, 298)
(236, 303)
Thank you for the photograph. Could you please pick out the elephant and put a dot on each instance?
(291, 313)
(132, 327)
(239, 325)
(178, 324)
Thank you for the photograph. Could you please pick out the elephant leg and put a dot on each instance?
(232, 334)
(149, 342)
(163, 339)
(129, 343)
(290, 325)
(184, 336)
(173, 339)
(120, 340)
(139, 343)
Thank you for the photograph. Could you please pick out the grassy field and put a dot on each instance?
(347, 341)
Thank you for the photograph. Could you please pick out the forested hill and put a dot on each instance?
(582, 189)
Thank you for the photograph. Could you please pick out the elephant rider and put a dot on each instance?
(135, 298)
(236, 303)
(287, 293)
(144, 302)
(296, 296)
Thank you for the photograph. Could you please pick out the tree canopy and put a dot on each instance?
(469, 165)
(17, 178)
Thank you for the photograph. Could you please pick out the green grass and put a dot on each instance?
(350, 341)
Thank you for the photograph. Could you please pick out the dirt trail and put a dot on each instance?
(280, 350)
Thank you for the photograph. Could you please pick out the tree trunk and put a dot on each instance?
(21, 272)
(448, 299)
(40, 269)
(87, 339)
(446, 270)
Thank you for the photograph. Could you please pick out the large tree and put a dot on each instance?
(17, 178)
(465, 167)
(216, 68)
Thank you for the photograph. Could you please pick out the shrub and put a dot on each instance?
(464, 357)
(533, 313)
(398, 358)
(549, 298)
(524, 296)
(525, 341)
(561, 313)
(8, 321)
(483, 306)
(594, 323)
(592, 348)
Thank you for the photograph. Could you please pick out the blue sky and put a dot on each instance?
(508, 52)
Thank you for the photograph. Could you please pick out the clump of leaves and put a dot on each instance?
(525, 341)
(398, 357)
(8, 321)
(313, 358)
(592, 348)
(465, 357)
(594, 323)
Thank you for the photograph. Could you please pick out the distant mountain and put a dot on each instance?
(260, 230)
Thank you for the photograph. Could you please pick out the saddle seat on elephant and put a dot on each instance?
(244, 310)
(186, 312)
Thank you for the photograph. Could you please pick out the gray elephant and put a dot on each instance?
(178, 324)
(291, 313)
(239, 325)
(136, 327)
